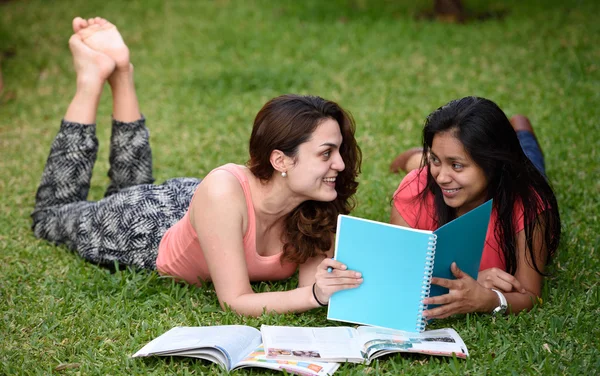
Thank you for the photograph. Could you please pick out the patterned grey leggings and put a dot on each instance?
(129, 222)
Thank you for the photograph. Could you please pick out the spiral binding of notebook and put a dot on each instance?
(426, 286)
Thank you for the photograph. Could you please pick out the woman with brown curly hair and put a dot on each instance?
(239, 224)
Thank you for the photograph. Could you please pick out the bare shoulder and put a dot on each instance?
(219, 192)
(221, 183)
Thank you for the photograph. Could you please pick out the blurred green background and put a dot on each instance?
(203, 70)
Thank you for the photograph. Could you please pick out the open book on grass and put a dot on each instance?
(357, 345)
(231, 346)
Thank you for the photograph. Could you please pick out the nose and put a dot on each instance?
(443, 176)
(338, 163)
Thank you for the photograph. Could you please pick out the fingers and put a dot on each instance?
(329, 286)
(497, 284)
(324, 291)
(501, 280)
(468, 295)
(512, 282)
(440, 299)
(330, 269)
(457, 272)
(338, 278)
(440, 312)
(447, 283)
(343, 281)
(461, 278)
(330, 265)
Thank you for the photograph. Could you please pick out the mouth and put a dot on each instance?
(329, 180)
(450, 191)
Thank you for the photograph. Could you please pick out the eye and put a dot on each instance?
(433, 159)
(327, 154)
(457, 166)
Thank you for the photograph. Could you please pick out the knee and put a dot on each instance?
(47, 225)
(38, 223)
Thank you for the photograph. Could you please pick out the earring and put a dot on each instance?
(283, 174)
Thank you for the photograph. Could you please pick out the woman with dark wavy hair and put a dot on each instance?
(239, 224)
(472, 153)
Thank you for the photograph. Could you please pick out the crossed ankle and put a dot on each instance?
(89, 85)
(121, 77)
(124, 70)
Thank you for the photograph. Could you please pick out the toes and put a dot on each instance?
(88, 31)
(101, 21)
(78, 24)
(105, 24)
(91, 21)
(75, 41)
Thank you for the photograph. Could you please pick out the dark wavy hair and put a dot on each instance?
(488, 137)
(283, 124)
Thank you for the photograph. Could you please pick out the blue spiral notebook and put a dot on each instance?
(397, 264)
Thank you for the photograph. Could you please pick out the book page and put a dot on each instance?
(234, 341)
(258, 358)
(207, 353)
(322, 344)
(380, 341)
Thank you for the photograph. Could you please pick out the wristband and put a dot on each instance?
(315, 296)
(503, 304)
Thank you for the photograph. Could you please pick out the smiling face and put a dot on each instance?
(462, 181)
(312, 173)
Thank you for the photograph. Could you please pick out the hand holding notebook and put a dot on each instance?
(398, 263)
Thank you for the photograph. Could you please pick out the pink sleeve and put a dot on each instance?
(409, 204)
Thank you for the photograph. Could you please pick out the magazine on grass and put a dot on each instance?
(356, 345)
(231, 346)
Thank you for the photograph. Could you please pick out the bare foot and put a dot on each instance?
(408, 160)
(521, 123)
(92, 67)
(78, 24)
(102, 36)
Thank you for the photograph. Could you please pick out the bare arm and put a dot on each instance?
(308, 270)
(315, 270)
(524, 288)
(217, 215)
(396, 218)
(467, 295)
(529, 278)
(521, 290)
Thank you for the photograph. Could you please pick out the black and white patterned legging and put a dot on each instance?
(129, 222)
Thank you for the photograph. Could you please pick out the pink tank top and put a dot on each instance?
(180, 255)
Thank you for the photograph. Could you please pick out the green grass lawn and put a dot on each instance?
(204, 69)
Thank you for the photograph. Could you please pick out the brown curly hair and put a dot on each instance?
(283, 124)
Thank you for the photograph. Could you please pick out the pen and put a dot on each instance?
(329, 268)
